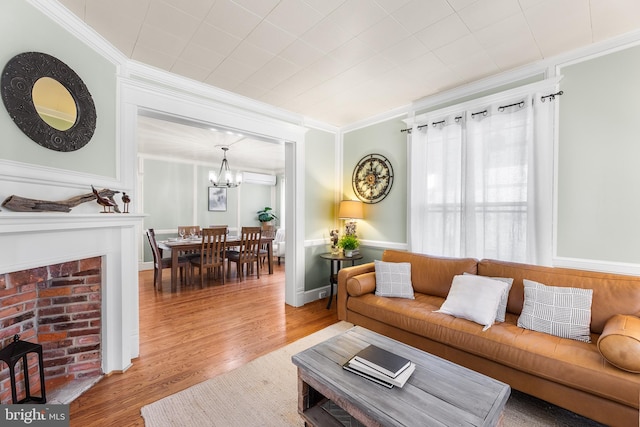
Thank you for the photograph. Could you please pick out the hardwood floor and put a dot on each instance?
(194, 334)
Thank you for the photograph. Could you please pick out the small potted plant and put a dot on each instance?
(266, 215)
(349, 243)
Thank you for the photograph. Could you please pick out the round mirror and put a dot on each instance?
(48, 101)
(54, 103)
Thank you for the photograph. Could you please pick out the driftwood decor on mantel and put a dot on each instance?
(23, 204)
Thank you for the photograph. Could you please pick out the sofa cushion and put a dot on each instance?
(620, 342)
(502, 307)
(429, 274)
(393, 279)
(474, 298)
(560, 311)
(612, 293)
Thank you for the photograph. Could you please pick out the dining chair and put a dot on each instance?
(269, 231)
(247, 253)
(212, 252)
(160, 263)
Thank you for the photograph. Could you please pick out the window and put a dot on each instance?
(475, 190)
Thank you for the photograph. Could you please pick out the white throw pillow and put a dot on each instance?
(563, 312)
(474, 298)
(393, 279)
(501, 312)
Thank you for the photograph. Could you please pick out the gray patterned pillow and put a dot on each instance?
(563, 312)
(393, 279)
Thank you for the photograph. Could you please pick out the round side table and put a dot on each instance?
(335, 264)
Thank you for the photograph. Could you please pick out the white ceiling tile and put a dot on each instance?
(384, 33)
(102, 15)
(443, 32)
(274, 72)
(526, 4)
(514, 53)
(351, 53)
(230, 74)
(458, 50)
(356, 16)
(157, 39)
(300, 53)
(391, 6)
(423, 66)
(560, 25)
(474, 67)
(408, 49)
(325, 7)
(152, 57)
(461, 4)
(171, 20)
(611, 18)
(419, 14)
(512, 29)
(326, 36)
(294, 16)
(232, 18)
(251, 55)
(258, 7)
(270, 37)
(196, 8)
(201, 56)
(249, 90)
(483, 13)
(190, 70)
(215, 39)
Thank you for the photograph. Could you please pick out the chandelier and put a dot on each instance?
(225, 178)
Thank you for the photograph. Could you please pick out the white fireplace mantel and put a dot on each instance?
(30, 240)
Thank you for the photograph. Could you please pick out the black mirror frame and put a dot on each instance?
(18, 77)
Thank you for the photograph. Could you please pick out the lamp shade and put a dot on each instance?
(351, 209)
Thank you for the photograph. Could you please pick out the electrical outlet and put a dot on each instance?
(323, 294)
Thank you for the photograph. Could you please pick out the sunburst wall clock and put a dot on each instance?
(372, 178)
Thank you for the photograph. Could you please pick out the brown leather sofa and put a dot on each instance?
(569, 373)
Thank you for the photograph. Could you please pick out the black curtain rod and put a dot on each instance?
(551, 96)
(408, 130)
(484, 113)
(519, 104)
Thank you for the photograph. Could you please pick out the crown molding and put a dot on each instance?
(136, 70)
(79, 29)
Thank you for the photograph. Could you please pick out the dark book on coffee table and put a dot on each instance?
(382, 360)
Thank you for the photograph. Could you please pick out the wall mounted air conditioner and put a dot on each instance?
(258, 178)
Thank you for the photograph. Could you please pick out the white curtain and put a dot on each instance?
(481, 183)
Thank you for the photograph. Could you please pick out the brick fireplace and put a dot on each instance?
(70, 283)
(59, 307)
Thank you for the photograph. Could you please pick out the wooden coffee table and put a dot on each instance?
(438, 393)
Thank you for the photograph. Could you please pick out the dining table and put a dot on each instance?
(193, 244)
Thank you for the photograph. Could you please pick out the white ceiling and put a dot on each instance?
(340, 61)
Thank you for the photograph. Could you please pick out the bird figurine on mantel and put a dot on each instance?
(126, 200)
(103, 201)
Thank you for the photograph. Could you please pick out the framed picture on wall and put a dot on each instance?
(217, 199)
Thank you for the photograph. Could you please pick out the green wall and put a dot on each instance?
(599, 177)
(176, 193)
(384, 221)
(25, 29)
(319, 201)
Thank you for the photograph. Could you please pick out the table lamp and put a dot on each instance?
(350, 210)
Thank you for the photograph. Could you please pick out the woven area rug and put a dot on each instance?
(264, 393)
